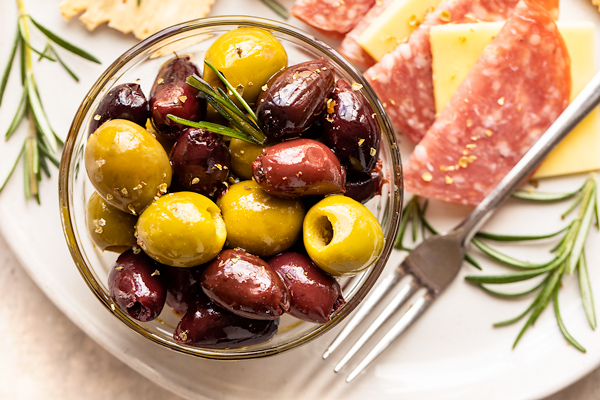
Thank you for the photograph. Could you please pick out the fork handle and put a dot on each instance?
(583, 104)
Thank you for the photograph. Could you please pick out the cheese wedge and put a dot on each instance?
(456, 48)
(394, 25)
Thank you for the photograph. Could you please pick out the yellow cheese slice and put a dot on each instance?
(394, 25)
(456, 48)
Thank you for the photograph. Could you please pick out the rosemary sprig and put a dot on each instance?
(41, 144)
(247, 128)
(277, 8)
(568, 256)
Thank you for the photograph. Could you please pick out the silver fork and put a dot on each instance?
(433, 264)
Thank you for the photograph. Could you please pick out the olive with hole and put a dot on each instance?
(314, 295)
(127, 165)
(243, 154)
(200, 162)
(181, 229)
(125, 101)
(342, 236)
(109, 228)
(294, 98)
(350, 128)
(245, 285)
(300, 167)
(209, 326)
(136, 285)
(258, 222)
(171, 95)
(247, 58)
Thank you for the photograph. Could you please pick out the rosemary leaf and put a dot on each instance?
(47, 154)
(518, 238)
(585, 289)
(8, 67)
(63, 43)
(473, 262)
(39, 114)
(65, 66)
(44, 167)
(561, 324)
(512, 295)
(415, 224)
(12, 169)
(574, 204)
(233, 91)
(543, 196)
(19, 114)
(510, 278)
(277, 8)
(216, 128)
(587, 216)
(26, 40)
(515, 319)
(505, 259)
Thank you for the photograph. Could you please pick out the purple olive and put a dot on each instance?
(363, 186)
(209, 326)
(350, 128)
(200, 162)
(126, 101)
(171, 95)
(314, 295)
(183, 286)
(136, 286)
(245, 285)
(294, 98)
(300, 167)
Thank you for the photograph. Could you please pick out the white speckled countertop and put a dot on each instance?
(45, 356)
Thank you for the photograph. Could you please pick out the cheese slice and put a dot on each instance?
(394, 25)
(456, 48)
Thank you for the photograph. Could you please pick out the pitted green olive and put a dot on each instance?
(109, 228)
(247, 57)
(127, 165)
(259, 223)
(182, 229)
(342, 236)
(242, 156)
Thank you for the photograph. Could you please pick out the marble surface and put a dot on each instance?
(45, 356)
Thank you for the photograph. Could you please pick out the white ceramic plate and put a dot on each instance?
(452, 353)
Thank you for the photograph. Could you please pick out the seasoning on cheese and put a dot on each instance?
(393, 26)
(456, 48)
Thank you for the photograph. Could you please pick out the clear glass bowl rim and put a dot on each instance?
(66, 188)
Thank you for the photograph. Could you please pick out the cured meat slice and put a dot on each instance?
(350, 47)
(518, 87)
(402, 79)
(333, 18)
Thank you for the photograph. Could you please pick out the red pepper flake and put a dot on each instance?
(427, 177)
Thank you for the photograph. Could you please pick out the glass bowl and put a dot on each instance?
(140, 64)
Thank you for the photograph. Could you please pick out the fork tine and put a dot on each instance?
(411, 315)
(380, 291)
(406, 291)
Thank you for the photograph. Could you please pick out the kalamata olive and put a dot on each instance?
(350, 128)
(109, 228)
(247, 57)
(342, 236)
(314, 295)
(207, 325)
(200, 162)
(183, 286)
(136, 286)
(258, 222)
(245, 285)
(181, 229)
(171, 95)
(363, 186)
(301, 167)
(126, 101)
(294, 98)
(127, 165)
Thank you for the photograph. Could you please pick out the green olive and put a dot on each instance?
(110, 229)
(127, 165)
(342, 236)
(181, 229)
(242, 156)
(247, 57)
(259, 223)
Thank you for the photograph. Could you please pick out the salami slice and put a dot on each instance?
(402, 79)
(350, 47)
(333, 18)
(517, 88)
